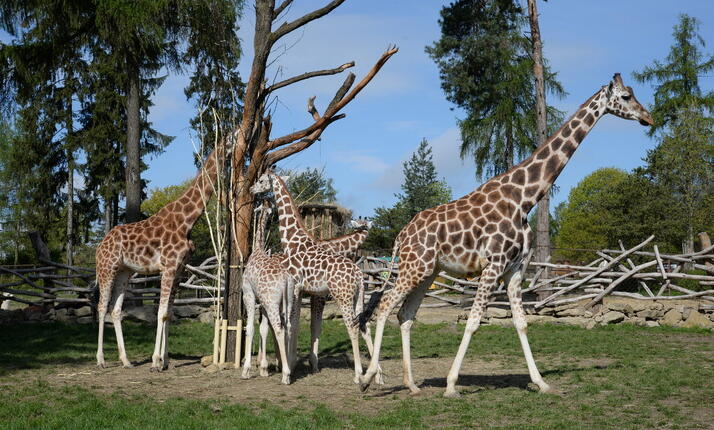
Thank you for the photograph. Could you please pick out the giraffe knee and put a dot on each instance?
(116, 314)
(520, 322)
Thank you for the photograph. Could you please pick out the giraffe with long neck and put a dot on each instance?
(158, 244)
(266, 278)
(314, 269)
(486, 232)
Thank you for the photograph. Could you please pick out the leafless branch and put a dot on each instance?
(281, 8)
(287, 27)
(308, 75)
(335, 106)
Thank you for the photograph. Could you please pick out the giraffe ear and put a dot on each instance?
(608, 92)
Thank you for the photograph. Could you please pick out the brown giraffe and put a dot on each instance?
(487, 232)
(314, 269)
(157, 244)
(266, 278)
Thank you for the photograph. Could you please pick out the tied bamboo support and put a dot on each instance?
(220, 341)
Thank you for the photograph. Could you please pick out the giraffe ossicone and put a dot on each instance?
(487, 232)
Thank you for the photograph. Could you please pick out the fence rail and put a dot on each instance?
(637, 272)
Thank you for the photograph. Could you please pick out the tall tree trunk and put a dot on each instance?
(70, 191)
(133, 155)
(543, 219)
(239, 254)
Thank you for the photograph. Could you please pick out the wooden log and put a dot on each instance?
(617, 282)
(595, 273)
(27, 293)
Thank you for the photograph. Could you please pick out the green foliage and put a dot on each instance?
(683, 162)
(421, 190)
(486, 69)
(310, 186)
(587, 219)
(677, 79)
(67, 76)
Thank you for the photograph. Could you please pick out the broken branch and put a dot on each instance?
(309, 75)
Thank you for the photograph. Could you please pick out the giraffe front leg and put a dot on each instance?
(105, 292)
(488, 280)
(519, 321)
(121, 282)
(159, 360)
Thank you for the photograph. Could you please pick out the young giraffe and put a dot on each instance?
(157, 244)
(487, 232)
(314, 269)
(266, 277)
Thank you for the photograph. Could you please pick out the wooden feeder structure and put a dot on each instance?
(325, 220)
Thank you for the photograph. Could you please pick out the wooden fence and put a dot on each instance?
(635, 272)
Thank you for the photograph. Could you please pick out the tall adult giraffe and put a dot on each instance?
(157, 244)
(314, 269)
(487, 232)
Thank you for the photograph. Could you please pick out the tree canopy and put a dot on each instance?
(486, 69)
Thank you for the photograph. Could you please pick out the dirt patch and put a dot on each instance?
(332, 386)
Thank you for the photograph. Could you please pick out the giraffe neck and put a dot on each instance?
(345, 244)
(189, 206)
(292, 231)
(537, 173)
(259, 239)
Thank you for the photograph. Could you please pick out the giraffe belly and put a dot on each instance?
(319, 288)
(459, 267)
(144, 266)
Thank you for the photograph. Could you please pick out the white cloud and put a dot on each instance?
(360, 162)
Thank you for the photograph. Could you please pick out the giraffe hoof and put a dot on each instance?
(414, 391)
(102, 365)
(245, 375)
(285, 380)
(128, 366)
(453, 394)
(363, 386)
(155, 369)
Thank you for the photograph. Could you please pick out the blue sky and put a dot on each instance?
(585, 42)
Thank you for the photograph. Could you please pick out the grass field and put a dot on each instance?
(615, 377)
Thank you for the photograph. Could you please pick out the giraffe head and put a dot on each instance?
(621, 102)
(266, 182)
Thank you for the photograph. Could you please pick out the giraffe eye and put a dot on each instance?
(626, 97)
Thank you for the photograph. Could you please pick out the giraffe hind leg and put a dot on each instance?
(406, 319)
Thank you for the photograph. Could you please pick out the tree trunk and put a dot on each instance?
(133, 155)
(239, 254)
(70, 209)
(543, 219)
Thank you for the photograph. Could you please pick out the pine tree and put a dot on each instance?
(486, 69)
(676, 80)
(421, 190)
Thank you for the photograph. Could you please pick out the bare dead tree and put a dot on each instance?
(254, 149)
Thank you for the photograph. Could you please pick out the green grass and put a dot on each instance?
(653, 378)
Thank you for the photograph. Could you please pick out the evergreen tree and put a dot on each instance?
(421, 190)
(676, 80)
(486, 69)
(215, 85)
(683, 162)
(311, 186)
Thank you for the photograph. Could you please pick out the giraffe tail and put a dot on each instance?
(376, 297)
